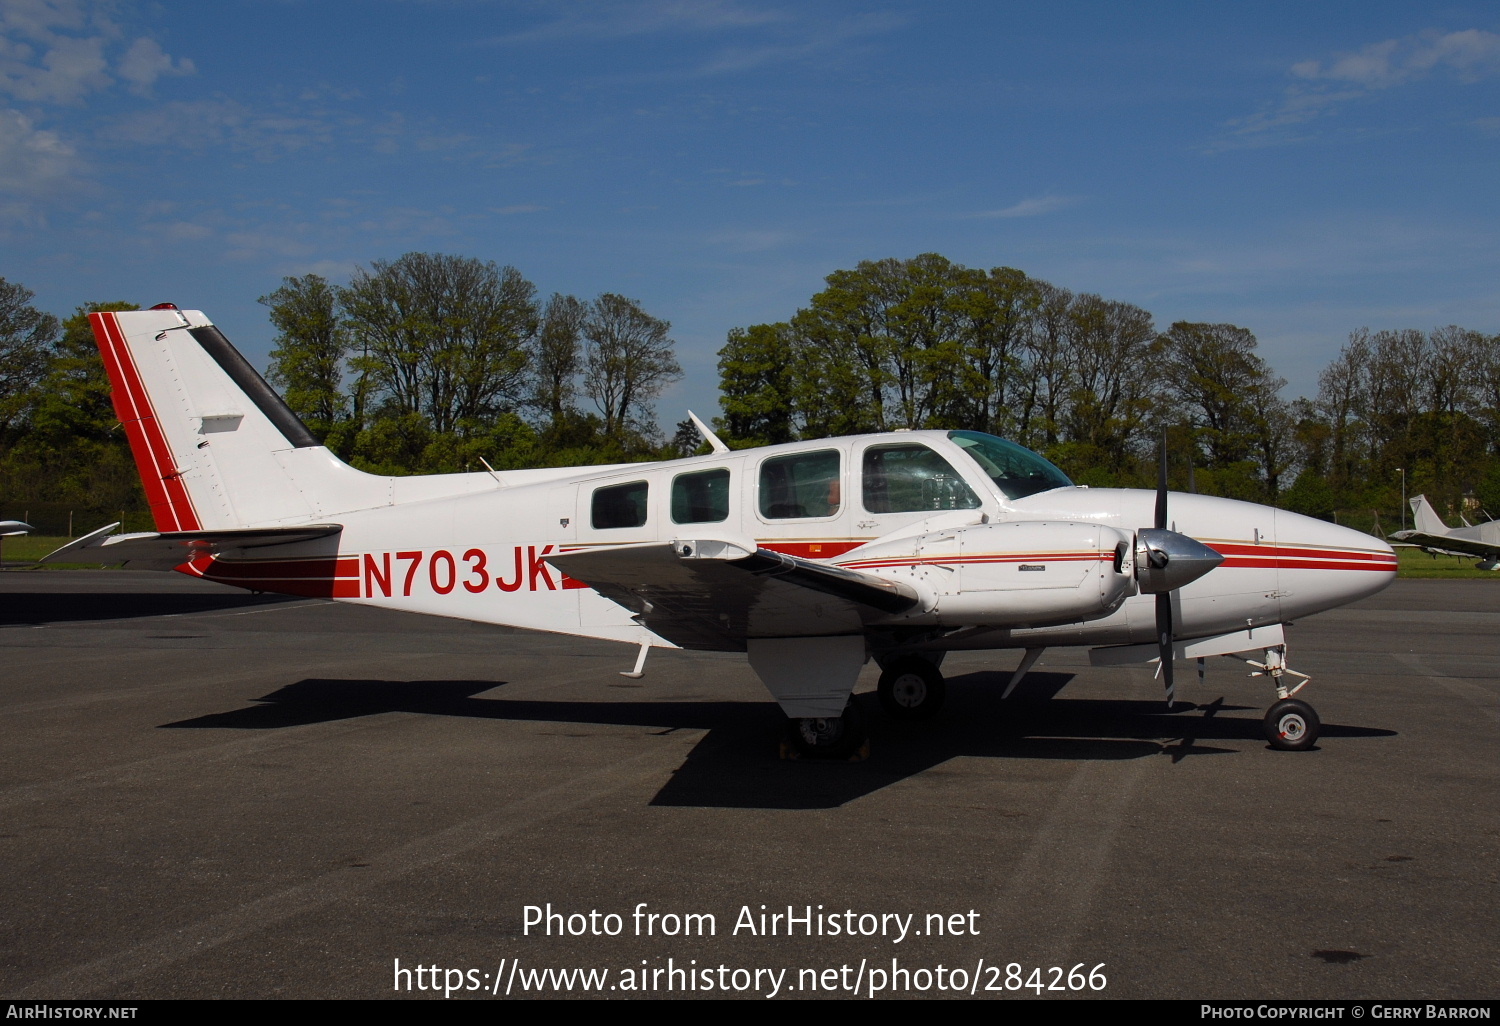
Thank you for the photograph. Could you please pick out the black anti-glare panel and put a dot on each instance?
(253, 385)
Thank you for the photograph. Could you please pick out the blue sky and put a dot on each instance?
(1299, 169)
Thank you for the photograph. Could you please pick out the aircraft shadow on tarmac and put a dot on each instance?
(67, 607)
(735, 765)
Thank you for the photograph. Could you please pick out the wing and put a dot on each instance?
(1448, 543)
(168, 549)
(716, 595)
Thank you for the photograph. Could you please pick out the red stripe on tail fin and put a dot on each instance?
(171, 508)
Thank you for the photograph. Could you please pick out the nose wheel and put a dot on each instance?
(912, 688)
(1291, 725)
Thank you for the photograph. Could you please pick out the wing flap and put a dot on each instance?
(167, 549)
(709, 594)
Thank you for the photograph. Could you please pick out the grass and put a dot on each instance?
(25, 547)
(1416, 563)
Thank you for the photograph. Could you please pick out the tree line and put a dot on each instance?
(434, 363)
(1092, 383)
(430, 363)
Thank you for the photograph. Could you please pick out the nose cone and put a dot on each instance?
(1166, 560)
(1323, 566)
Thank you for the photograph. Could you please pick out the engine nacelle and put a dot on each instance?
(1026, 574)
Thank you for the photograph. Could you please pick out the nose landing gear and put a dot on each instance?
(1290, 724)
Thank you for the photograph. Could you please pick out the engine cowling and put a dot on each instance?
(1016, 574)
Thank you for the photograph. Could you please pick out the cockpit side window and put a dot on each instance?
(909, 478)
(804, 484)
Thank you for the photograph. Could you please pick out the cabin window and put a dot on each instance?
(620, 505)
(701, 498)
(805, 484)
(911, 478)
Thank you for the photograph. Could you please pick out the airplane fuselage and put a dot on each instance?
(478, 548)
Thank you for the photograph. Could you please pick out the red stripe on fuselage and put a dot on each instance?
(317, 577)
(171, 507)
(1231, 549)
(811, 550)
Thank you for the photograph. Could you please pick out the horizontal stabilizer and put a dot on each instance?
(712, 594)
(12, 527)
(167, 549)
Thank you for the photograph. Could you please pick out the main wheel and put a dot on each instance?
(833, 737)
(1291, 725)
(912, 689)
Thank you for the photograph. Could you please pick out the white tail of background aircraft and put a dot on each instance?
(1481, 541)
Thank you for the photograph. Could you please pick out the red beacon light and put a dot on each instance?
(165, 306)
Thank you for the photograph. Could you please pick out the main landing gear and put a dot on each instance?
(831, 737)
(912, 688)
(1290, 724)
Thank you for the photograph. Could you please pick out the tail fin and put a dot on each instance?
(216, 447)
(1427, 520)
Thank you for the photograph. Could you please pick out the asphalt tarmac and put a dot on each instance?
(205, 793)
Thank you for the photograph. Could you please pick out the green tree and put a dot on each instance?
(311, 345)
(443, 337)
(558, 357)
(1212, 370)
(73, 451)
(629, 360)
(757, 383)
(27, 336)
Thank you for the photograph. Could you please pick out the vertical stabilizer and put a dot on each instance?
(1427, 520)
(215, 445)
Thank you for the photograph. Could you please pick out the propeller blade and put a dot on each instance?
(1161, 485)
(1164, 641)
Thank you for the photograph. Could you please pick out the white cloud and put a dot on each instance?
(33, 162)
(54, 51)
(1471, 53)
(750, 240)
(1323, 87)
(645, 18)
(785, 36)
(64, 72)
(145, 62)
(1033, 207)
(202, 124)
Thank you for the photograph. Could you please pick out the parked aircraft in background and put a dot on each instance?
(811, 557)
(1481, 541)
(9, 529)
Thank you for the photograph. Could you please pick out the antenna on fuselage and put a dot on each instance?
(708, 435)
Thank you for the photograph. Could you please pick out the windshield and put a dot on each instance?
(1016, 471)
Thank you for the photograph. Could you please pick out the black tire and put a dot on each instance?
(1291, 725)
(912, 689)
(828, 738)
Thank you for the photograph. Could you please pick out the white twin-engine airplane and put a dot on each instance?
(811, 557)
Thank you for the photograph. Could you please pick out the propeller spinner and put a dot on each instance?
(1165, 561)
